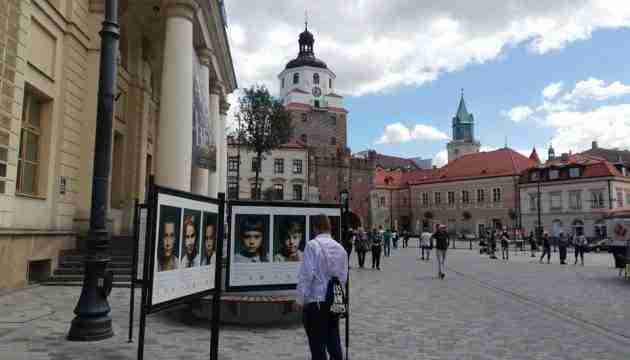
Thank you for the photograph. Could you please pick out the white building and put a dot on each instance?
(575, 193)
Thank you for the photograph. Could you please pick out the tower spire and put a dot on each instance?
(306, 19)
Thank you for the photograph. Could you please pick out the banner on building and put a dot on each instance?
(204, 151)
(267, 242)
(183, 247)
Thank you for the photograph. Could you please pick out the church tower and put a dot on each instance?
(307, 90)
(463, 141)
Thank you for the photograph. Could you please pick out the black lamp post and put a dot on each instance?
(92, 321)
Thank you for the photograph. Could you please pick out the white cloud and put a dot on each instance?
(595, 89)
(395, 133)
(440, 159)
(402, 42)
(518, 113)
(550, 91)
(400, 133)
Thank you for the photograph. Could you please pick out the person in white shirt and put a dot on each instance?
(323, 259)
(425, 245)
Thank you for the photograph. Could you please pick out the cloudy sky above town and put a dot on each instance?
(534, 72)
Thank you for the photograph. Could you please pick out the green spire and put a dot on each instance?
(462, 113)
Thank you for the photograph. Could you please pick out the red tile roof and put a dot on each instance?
(592, 166)
(502, 162)
(398, 178)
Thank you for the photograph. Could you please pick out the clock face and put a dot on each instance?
(317, 91)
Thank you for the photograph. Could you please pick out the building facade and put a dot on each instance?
(283, 173)
(48, 116)
(463, 140)
(573, 194)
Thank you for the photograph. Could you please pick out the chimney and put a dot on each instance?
(594, 145)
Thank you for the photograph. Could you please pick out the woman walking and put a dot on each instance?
(546, 244)
(377, 245)
(580, 245)
(361, 244)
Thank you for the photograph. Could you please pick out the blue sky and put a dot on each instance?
(535, 71)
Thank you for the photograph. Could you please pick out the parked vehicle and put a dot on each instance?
(619, 221)
(597, 246)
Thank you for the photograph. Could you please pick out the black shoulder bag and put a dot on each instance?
(335, 295)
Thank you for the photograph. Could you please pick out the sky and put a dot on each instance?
(533, 72)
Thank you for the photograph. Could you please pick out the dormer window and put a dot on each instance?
(316, 79)
(296, 78)
(574, 172)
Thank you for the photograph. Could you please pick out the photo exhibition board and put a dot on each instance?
(143, 213)
(267, 243)
(184, 248)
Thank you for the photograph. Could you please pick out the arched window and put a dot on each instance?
(316, 78)
(296, 78)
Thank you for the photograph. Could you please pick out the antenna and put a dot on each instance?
(462, 90)
(306, 19)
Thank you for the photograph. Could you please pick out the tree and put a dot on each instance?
(265, 124)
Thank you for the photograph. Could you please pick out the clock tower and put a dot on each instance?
(463, 141)
(307, 90)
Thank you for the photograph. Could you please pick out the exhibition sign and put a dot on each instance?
(267, 241)
(183, 246)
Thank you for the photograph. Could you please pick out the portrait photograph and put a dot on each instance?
(168, 238)
(251, 238)
(190, 255)
(209, 236)
(289, 237)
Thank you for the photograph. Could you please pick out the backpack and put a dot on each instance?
(335, 295)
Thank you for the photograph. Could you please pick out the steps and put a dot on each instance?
(70, 268)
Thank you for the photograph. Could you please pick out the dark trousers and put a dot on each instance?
(505, 253)
(563, 254)
(376, 257)
(388, 248)
(546, 251)
(322, 332)
(579, 252)
(361, 256)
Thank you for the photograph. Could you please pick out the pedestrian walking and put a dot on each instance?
(546, 245)
(441, 245)
(324, 259)
(563, 243)
(493, 244)
(580, 245)
(361, 243)
(395, 239)
(425, 245)
(505, 246)
(377, 246)
(387, 241)
(532, 244)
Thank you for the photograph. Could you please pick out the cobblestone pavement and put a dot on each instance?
(484, 309)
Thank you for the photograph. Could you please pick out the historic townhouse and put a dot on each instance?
(572, 194)
(49, 58)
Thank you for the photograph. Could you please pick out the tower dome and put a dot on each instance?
(306, 55)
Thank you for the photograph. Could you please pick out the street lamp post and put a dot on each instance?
(92, 321)
(539, 229)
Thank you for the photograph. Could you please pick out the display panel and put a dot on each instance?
(184, 246)
(267, 242)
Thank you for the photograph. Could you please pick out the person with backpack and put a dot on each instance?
(377, 246)
(441, 245)
(325, 266)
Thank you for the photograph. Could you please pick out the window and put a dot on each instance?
(481, 195)
(333, 141)
(533, 202)
(282, 83)
(619, 198)
(232, 190)
(333, 120)
(597, 199)
(330, 83)
(437, 198)
(255, 164)
(451, 198)
(534, 176)
(496, 195)
(601, 232)
(316, 79)
(554, 174)
(627, 198)
(278, 191)
(575, 199)
(304, 138)
(405, 201)
(556, 200)
(297, 166)
(255, 192)
(303, 117)
(382, 202)
(465, 197)
(233, 163)
(278, 166)
(574, 172)
(425, 199)
(297, 192)
(29, 152)
(296, 78)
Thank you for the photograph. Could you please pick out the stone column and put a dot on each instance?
(215, 93)
(199, 181)
(224, 107)
(174, 146)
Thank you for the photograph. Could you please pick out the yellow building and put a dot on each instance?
(49, 59)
